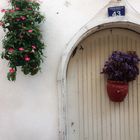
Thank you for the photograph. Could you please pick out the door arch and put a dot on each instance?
(90, 114)
(131, 21)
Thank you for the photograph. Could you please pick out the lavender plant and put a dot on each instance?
(122, 66)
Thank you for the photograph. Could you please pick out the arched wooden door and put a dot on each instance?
(90, 114)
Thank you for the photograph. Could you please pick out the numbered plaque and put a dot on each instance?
(116, 11)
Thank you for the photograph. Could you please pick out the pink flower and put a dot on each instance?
(3, 10)
(27, 58)
(11, 11)
(33, 46)
(23, 17)
(30, 31)
(11, 50)
(11, 70)
(17, 19)
(21, 49)
(17, 8)
(1, 23)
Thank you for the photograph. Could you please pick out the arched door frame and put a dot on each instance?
(131, 21)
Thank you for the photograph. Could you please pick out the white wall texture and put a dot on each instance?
(29, 106)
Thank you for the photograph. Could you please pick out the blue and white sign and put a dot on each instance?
(116, 11)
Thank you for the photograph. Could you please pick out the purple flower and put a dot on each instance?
(122, 66)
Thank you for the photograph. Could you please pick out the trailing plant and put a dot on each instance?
(22, 43)
(122, 66)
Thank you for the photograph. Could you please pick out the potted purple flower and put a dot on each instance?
(120, 69)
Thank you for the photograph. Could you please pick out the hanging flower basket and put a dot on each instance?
(120, 69)
(117, 91)
(22, 44)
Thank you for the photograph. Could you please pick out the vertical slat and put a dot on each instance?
(131, 128)
(112, 107)
(129, 135)
(138, 51)
(117, 105)
(89, 87)
(124, 110)
(94, 96)
(107, 106)
(98, 90)
(80, 89)
(103, 99)
(85, 100)
(135, 100)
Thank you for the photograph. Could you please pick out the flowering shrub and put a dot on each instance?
(22, 43)
(122, 66)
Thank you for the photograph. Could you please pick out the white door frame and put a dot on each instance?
(101, 21)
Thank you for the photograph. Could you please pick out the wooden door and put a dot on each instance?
(90, 113)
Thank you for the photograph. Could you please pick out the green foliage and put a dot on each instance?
(22, 43)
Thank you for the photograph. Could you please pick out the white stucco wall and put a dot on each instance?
(29, 106)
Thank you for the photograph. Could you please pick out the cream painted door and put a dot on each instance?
(90, 114)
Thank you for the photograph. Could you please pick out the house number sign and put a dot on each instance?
(116, 11)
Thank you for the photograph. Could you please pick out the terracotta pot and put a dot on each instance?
(117, 90)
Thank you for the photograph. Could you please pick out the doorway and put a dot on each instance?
(90, 114)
